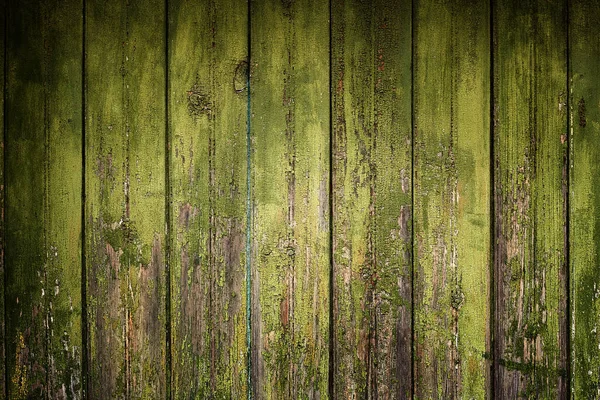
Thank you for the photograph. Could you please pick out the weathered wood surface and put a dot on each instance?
(451, 199)
(125, 198)
(207, 130)
(530, 194)
(43, 150)
(289, 124)
(372, 213)
(415, 180)
(584, 50)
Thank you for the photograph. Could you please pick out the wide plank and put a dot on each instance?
(372, 206)
(530, 195)
(125, 199)
(208, 94)
(43, 150)
(289, 122)
(452, 199)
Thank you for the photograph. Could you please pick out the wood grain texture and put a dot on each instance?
(125, 203)
(451, 199)
(530, 194)
(290, 203)
(371, 162)
(584, 53)
(208, 123)
(43, 179)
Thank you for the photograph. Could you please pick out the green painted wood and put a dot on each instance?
(530, 175)
(290, 202)
(451, 199)
(372, 213)
(43, 203)
(584, 53)
(208, 122)
(125, 199)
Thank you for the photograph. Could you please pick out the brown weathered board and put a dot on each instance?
(125, 135)
(289, 106)
(451, 199)
(530, 195)
(372, 213)
(584, 53)
(43, 150)
(207, 138)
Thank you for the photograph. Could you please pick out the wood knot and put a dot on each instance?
(240, 77)
(198, 101)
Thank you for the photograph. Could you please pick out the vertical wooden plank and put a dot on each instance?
(208, 122)
(530, 143)
(125, 203)
(43, 177)
(290, 181)
(584, 53)
(372, 213)
(451, 199)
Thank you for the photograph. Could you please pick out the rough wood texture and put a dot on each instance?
(125, 204)
(43, 179)
(371, 105)
(290, 178)
(451, 199)
(208, 116)
(584, 51)
(530, 194)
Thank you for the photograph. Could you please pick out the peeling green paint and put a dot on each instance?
(530, 122)
(125, 203)
(584, 132)
(290, 158)
(207, 114)
(451, 199)
(372, 213)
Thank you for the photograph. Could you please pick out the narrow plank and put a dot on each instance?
(530, 144)
(125, 198)
(43, 180)
(208, 116)
(452, 199)
(372, 213)
(290, 202)
(584, 53)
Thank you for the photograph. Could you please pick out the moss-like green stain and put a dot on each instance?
(584, 198)
(43, 224)
(125, 202)
(530, 127)
(290, 168)
(372, 213)
(207, 129)
(451, 199)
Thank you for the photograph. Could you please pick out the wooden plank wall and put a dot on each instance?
(300, 199)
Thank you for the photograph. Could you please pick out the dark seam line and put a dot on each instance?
(412, 196)
(168, 198)
(492, 298)
(84, 322)
(331, 367)
(568, 208)
(4, 141)
(248, 212)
